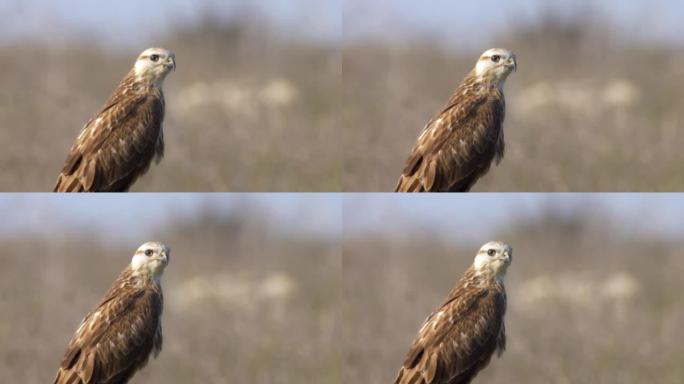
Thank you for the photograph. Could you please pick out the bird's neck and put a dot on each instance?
(486, 275)
(142, 82)
(143, 275)
(150, 85)
(488, 80)
(481, 85)
(473, 279)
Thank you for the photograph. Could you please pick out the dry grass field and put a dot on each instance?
(251, 109)
(591, 298)
(587, 110)
(244, 302)
(248, 109)
(587, 303)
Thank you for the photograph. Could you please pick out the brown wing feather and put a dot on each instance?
(457, 146)
(116, 146)
(458, 339)
(116, 339)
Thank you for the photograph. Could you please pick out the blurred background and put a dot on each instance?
(252, 291)
(596, 103)
(594, 291)
(252, 105)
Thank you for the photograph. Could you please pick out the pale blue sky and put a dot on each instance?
(134, 216)
(450, 22)
(458, 217)
(137, 22)
(473, 217)
(476, 23)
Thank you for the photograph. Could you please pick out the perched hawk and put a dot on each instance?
(457, 146)
(117, 145)
(458, 338)
(116, 338)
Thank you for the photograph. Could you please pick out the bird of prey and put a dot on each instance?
(458, 339)
(118, 336)
(117, 145)
(458, 145)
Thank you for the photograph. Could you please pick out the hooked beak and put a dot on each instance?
(163, 258)
(512, 63)
(170, 63)
(508, 256)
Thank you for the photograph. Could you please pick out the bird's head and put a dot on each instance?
(151, 257)
(154, 64)
(495, 65)
(494, 257)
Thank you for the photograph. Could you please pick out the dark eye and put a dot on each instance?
(154, 57)
(496, 58)
(148, 252)
(491, 252)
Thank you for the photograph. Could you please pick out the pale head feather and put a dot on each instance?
(153, 64)
(494, 257)
(494, 66)
(153, 257)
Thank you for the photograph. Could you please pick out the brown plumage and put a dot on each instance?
(118, 144)
(116, 339)
(458, 339)
(458, 146)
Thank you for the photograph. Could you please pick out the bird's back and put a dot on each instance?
(116, 339)
(116, 146)
(458, 338)
(458, 146)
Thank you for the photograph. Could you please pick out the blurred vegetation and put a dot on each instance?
(587, 303)
(588, 110)
(243, 302)
(248, 109)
